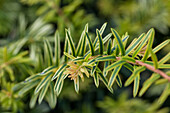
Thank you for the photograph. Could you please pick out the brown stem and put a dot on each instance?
(164, 75)
(153, 69)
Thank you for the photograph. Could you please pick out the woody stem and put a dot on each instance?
(164, 75)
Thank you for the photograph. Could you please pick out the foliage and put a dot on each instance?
(81, 61)
(30, 36)
(8, 15)
(16, 65)
(123, 105)
(11, 64)
(67, 13)
(141, 14)
(10, 99)
(13, 68)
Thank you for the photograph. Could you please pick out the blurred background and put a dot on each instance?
(25, 23)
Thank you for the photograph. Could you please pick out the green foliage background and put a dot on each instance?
(25, 24)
